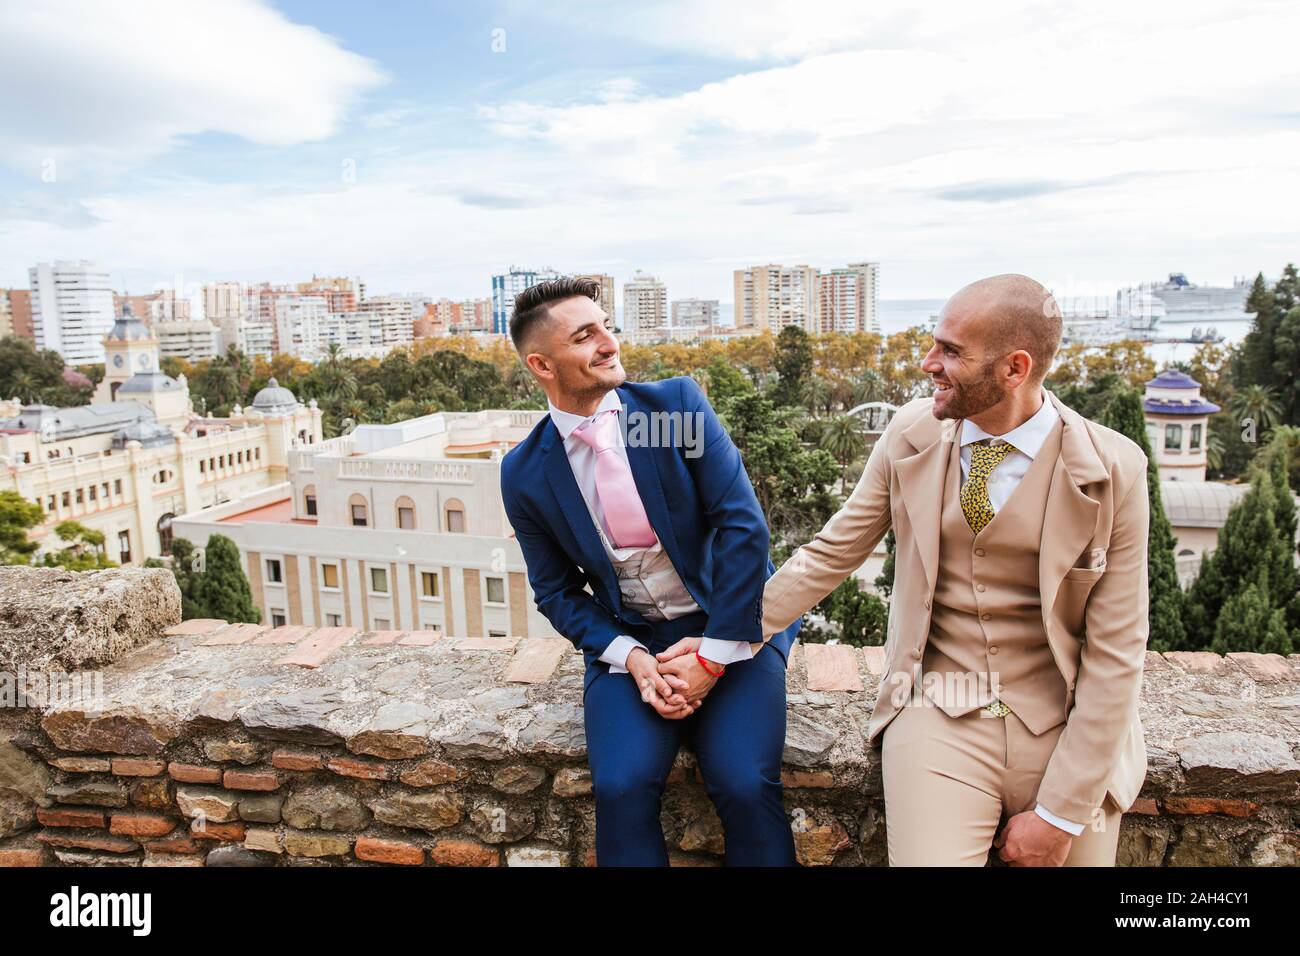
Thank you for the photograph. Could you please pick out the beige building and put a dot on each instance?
(1178, 425)
(607, 300)
(770, 297)
(645, 309)
(138, 455)
(392, 527)
(847, 299)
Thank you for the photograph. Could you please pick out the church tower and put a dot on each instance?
(129, 348)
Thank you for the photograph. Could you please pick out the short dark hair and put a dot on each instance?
(533, 304)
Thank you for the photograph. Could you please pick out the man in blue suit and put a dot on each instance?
(646, 548)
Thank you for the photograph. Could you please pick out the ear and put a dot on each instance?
(1019, 366)
(540, 366)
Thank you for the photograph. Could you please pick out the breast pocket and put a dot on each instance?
(1091, 567)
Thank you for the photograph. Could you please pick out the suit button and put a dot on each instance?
(979, 587)
(986, 617)
(993, 648)
(979, 552)
(916, 653)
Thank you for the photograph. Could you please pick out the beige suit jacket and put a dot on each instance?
(1092, 576)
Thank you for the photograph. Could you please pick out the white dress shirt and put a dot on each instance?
(653, 583)
(1028, 437)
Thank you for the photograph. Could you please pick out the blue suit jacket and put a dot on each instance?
(701, 506)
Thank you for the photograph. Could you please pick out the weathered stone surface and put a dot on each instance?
(238, 856)
(817, 845)
(16, 813)
(518, 779)
(97, 793)
(399, 729)
(215, 806)
(57, 620)
(324, 808)
(1238, 763)
(129, 730)
(263, 808)
(1203, 845)
(806, 741)
(536, 856)
(478, 739)
(429, 773)
(299, 717)
(315, 844)
(23, 774)
(501, 823)
(232, 751)
(1141, 845)
(259, 838)
(430, 812)
(572, 782)
(463, 853)
(558, 730)
(393, 852)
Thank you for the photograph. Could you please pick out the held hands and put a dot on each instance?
(1029, 840)
(679, 663)
(663, 692)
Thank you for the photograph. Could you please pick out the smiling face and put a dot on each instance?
(964, 363)
(574, 353)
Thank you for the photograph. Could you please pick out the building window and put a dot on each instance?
(329, 575)
(1173, 438)
(165, 533)
(81, 497)
(309, 500)
(1196, 437)
(274, 574)
(379, 580)
(455, 513)
(277, 618)
(104, 489)
(90, 492)
(496, 590)
(429, 584)
(357, 507)
(117, 486)
(383, 624)
(67, 500)
(333, 620)
(124, 547)
(50, 503)
(496, 633)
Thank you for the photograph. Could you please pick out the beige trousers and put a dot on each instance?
(951, 782)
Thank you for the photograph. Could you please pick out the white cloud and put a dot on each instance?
(90, 82)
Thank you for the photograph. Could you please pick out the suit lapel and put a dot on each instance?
(921, 480)
(645, 472)
(1070, 515)
(559, 474)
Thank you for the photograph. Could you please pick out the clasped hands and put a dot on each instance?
(673, 681)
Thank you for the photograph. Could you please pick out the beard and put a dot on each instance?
(971, 398)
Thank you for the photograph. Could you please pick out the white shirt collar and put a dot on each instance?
(1028, 436)
(567, 422)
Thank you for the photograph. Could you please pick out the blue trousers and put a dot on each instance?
(738, 736)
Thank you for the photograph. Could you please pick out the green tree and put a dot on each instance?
(862, 617)
(223, 589)
(1250, 622)
(794, 364)
(184, 568)
(885, 579)
(83, 548)
(1167, 631)
(845, 440)
(17, 516)
(36, 377)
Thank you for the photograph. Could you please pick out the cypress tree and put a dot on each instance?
(1253, 362)
(1250, 622)
(187, 579)
(223, 589)
(1166, 600)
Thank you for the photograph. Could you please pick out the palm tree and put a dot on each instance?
(1256, 403)
(844, 439)
(816, 395)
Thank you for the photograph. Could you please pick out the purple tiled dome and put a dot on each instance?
(1173, 378)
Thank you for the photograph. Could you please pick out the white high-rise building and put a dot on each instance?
(396, 315)
(298, 322)
(694, 314)
(72, 309)
(645, 308)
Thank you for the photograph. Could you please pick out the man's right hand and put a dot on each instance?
(660, 691)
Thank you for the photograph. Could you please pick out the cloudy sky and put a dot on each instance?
(424, 146)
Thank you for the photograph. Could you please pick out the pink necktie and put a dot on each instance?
(615, 486)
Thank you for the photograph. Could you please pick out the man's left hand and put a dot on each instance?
(1029, 840)
(680, 661)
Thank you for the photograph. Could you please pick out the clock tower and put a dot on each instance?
(129, 349)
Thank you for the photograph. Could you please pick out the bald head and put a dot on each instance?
(1010, 312)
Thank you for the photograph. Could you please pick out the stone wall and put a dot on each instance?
(237, 745)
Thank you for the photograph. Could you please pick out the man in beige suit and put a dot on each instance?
(1018, 624)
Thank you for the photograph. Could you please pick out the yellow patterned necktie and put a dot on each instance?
(977, 508)
(975, 504)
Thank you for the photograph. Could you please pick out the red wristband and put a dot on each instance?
(705, 664)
